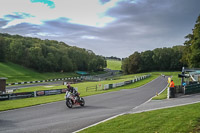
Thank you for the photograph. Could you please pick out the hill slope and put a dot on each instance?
(114, 64)
(17, 73)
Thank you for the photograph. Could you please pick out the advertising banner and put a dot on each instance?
(63, 90)
(52, 92)
(106, 87)
(21, 95)
(110, 86)
(4, 97)
(127, 82)
(39, 93)
(114, 85)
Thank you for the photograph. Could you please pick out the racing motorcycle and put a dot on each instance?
(73, 100)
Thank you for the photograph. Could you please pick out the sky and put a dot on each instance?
(107, 27)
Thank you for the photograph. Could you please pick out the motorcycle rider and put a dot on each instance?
(73, 91)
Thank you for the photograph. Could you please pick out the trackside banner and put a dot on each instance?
(31, 94)
(4, 97)
(21, 95)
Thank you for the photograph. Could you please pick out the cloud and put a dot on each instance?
(17, 15)
(49, 3)
(85, 12)
(134, 25)
(104, 1)
(3, 22)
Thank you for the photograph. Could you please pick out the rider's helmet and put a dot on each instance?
(68, 85)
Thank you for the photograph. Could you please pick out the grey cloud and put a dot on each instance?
(22, 29)
(3, 22)
(18, 15)
(140, 26)
(104, 1)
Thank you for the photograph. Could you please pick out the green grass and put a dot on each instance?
(20, 103)
(182, 119)
(114, 64)
(162, 96)
(17, 73)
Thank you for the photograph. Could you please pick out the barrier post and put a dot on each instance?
(3, 85)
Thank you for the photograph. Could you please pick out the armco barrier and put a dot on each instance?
(49, 80)
(31, 94)
(109, 86)
(193, 88)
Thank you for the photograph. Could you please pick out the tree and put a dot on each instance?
(125, 65)
(134, 65)
(48, 55)
(147, 61)
(192, 50)
(2, 49)
(177, 53)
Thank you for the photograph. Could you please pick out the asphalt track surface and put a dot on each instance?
(57, 118)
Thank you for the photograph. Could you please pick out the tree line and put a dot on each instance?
(167, 59)
(48, 55)
(113, 58)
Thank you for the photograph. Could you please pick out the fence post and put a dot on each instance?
(168, 93)
(35, 94)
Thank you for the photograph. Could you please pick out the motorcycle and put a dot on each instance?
(73, 100)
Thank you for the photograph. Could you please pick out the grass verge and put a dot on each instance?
(162, 96)
(184, 119)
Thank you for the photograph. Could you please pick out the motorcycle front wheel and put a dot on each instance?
(69, 103)
(82, 103)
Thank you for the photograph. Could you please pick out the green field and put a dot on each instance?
(17, 73)
(114, 64)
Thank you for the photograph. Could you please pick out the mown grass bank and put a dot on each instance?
(17, 73)
(114, 64)
(184, 119)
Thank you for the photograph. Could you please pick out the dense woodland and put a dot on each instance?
(167, 59)
(48, 55)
